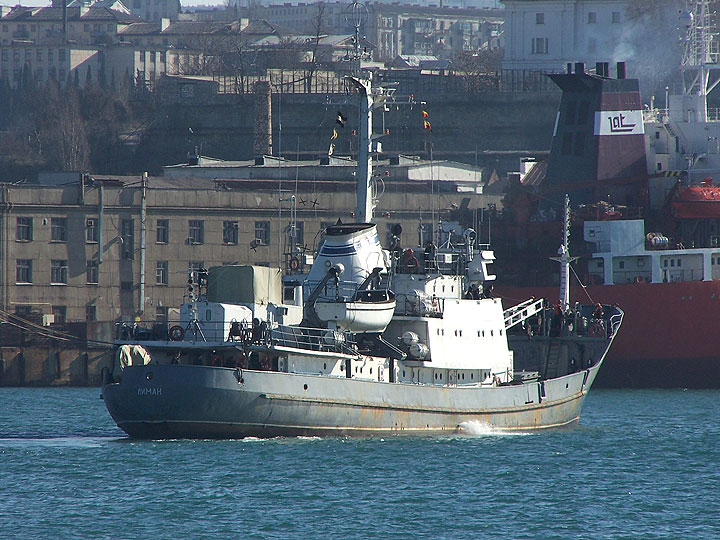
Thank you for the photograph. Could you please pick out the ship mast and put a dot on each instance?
(357, 15)
(701, 54)
(564, 258)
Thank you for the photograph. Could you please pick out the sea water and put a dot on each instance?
(641, 464)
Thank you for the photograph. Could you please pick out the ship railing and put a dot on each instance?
(312, 339)
(345, 290)
(631, 277)
(176, 330)
(580, 321)
(614, 323)
(521, 312)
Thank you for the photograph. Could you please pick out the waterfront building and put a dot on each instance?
(397, 29)
(104, 248)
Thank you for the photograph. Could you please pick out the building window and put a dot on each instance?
(262, 233)
(92, 272)
(162, 233)
(90, 313)
(539, 46)
(615, 17)
(592, 17)
(23, 311)
(296, 232)
(24, 229)
(196, 231)
(60, 313)
(127, 237)
(161, 273)
(230, 232)
(539, 18)
(195, 270)
(92, 231)
(23, 271)
(58, 229)
(58, 272)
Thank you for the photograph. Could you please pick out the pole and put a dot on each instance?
(143, 216)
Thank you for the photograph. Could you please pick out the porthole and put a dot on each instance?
(491, 333)
(403, 373)
(370, 371)
(441, 376)
(460, 333)
(478, 333)
(304, 386)
(472, 375)
(501, 331)
(149, 375)
(324, 366)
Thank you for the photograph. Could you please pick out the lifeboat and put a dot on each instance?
(368, 311)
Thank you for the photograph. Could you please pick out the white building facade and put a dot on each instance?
(544, 35)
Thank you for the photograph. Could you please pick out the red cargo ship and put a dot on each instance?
(658, 165)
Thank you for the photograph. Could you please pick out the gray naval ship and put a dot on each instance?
(371, 341)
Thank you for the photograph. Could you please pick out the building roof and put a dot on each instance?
(55, 14)
(434, 11)
(259, 28)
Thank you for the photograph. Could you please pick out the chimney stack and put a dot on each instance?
(621, 70)
(579, 68)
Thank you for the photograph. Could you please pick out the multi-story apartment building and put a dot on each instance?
(33, 39)
(83, 25)
(103, 248)
(545, 35)
(102, 42)
(149, 10)
(395, 29)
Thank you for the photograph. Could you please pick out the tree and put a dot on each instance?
(478, 69)
(318, 24)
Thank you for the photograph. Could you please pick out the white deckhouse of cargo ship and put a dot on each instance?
(371, 341)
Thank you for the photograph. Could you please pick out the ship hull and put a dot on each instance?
(178, 401)
(669, 336)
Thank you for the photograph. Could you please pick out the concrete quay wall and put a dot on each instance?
(50, 366)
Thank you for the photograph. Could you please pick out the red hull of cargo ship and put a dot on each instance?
(670, 335)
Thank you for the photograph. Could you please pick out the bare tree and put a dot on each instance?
(318, 25)
(478, 69)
